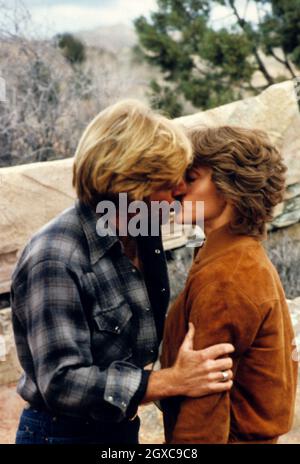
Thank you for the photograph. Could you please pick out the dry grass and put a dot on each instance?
(284, 252)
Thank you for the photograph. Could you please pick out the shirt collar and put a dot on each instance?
(98, 245)
(219, 240)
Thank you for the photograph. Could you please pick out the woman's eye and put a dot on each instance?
(190, 179)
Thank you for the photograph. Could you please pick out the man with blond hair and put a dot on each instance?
(88, 306)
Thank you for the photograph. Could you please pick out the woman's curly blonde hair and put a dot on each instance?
(247, 169)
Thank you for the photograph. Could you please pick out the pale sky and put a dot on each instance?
(52, 16)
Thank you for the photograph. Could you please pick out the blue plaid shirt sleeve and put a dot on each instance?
(47, 308)
(139, 394)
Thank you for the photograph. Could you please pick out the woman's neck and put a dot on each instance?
(215, 223)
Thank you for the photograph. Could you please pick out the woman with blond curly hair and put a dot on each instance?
(233, 294)
(88, 307)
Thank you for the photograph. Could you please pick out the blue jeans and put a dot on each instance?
(41, 427)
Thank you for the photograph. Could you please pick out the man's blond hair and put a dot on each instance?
(129, 148)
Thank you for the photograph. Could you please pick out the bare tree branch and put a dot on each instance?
(245, 26)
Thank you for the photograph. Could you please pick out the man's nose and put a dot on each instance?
(180, 188)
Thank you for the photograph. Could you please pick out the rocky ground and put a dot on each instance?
(11, 406)
(151, 420)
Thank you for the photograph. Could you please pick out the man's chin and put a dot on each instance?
(185, 219)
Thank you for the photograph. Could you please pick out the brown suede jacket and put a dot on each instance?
(233, 294)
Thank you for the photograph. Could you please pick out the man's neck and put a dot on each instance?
(131, 250)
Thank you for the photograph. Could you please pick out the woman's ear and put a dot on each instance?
(203, 172)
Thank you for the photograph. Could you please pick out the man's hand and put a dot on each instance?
(195, 373)
(199, 372)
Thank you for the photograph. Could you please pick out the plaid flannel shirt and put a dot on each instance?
(85, 320)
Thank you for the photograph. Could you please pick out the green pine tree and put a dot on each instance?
(72, 48)
(208, 66)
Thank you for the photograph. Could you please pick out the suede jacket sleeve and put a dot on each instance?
(220, 313)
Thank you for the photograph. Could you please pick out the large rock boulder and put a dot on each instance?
(10, 369)
(30, 196)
